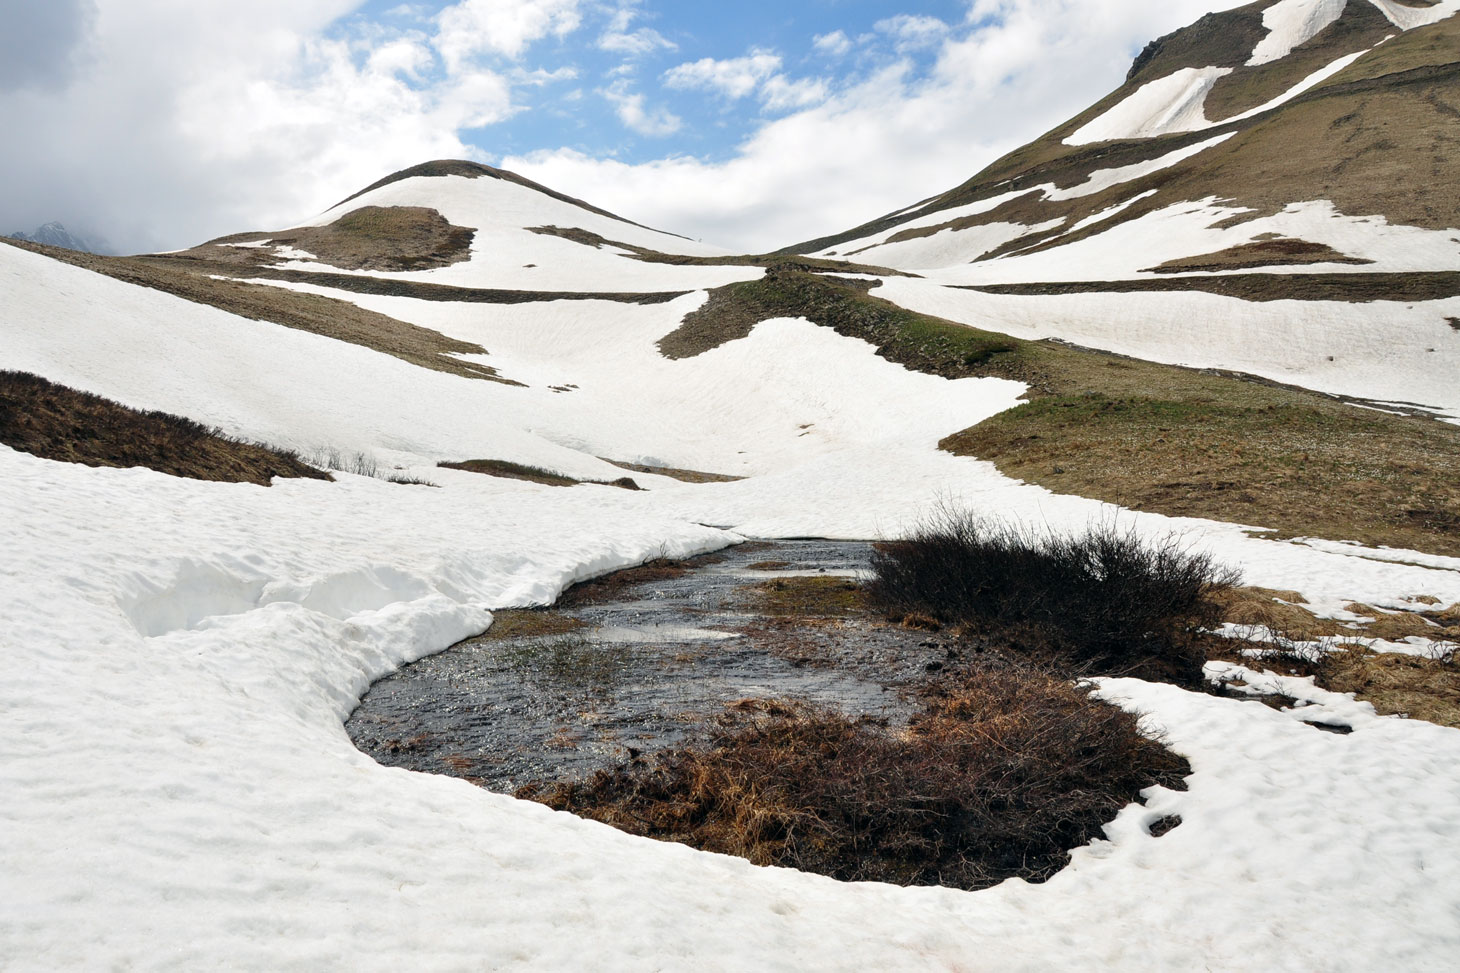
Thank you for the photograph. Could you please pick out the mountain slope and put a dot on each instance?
(1326, 106)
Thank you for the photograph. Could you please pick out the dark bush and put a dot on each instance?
(1106, 601)
(998, 776)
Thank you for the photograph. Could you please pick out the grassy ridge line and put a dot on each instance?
(920, 342)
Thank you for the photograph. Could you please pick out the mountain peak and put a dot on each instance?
(54, 234)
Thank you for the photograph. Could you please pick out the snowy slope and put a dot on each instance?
(180, 793)
(505, 254)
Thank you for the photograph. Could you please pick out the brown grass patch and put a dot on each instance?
(382, 238)
(685, 476)
(610, 586)
(999, 776)
(1238, 452)
(1260, 253)
(1352, 288)
(1406, 685)
(532, 474)
(1277, 611)
(529, 623)
(60, 423)
(807, 598)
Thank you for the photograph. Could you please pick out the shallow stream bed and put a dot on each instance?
(622, 670)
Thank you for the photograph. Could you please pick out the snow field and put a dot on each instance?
(180, 792)
(505, 255)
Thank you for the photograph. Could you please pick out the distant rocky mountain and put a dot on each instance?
(56, 235)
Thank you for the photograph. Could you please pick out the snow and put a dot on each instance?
(1406, 17)
(180, 792)
(505, 255)
(1103, 179)
(1382, 350)
(1161, 107)
(1292, 23)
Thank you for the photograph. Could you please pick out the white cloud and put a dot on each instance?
(504, 27)
(643, 41)
(629, 106)
(1014, 69)
(913, 32)
(835, 44)
(733, 78)
(778, 94)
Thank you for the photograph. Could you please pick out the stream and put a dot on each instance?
(634, 669)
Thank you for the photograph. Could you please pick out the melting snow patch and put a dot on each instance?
(1292, 23)
(1170, 104)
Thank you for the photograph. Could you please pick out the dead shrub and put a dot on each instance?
(999, 776)
(1105, 601)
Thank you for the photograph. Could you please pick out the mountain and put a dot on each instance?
(1282, 134)
(1273, 190)
(56, 235)
(190, 616)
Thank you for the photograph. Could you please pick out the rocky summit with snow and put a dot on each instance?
(1221, 305)
(55, 235)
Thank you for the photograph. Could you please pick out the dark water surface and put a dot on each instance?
(653, 667)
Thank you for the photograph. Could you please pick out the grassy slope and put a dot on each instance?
(1147, 436)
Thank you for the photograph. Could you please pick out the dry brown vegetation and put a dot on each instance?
(1241, 452)
(807, 598)
(528, 623)
(1000, 775)
(380, 238)
(1259, 253)
(532, 474)
(674, 473)
(60, 423)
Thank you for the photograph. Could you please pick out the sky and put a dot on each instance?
(157, 124)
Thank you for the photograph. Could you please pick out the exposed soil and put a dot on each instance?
(60, 423)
